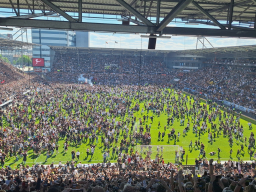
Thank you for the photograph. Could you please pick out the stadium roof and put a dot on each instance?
(243, 10)
(233, 18)
(221, 52)
(114, 51)
(227, 52)
(8, 44)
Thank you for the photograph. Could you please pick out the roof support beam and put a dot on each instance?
(158, 12)
(248, 6)
(13, 7)
(33, 5)
(34, 15)
(209, 32)
(132, 20)
(135, 12)
(149, 8)
(208, 15)
(230, 19)
(18, 7)
(132, 3)
(225, 7)
(65, 25)
(174, 12)
(80, 8)
(225, 25)
(255, 21)
(58, 10)
(43, 8)
(29, 7)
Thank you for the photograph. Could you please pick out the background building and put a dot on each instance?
(56, 38)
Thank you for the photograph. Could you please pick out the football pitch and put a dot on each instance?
(220, 141)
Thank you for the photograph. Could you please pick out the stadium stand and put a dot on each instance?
(10, 78)
(234, 84)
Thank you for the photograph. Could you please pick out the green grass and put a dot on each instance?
(184, 141)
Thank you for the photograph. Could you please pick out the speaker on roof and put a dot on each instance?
(152, 43)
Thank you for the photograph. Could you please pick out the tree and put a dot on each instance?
(24, 60)
(5, 59)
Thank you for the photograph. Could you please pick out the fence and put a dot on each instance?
(11, 100)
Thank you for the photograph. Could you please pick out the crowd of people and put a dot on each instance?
(8, 73)
(12, 82)
(109, 69)
(106, 177)
(106, 117)
(234, 84)
(54, 112)
(218, 82)
(57, 112)
(85, 62)
(239, 61)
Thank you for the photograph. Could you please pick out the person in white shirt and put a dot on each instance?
(123, 165)
(75, 172)
(77, 154)
(250, 125)
(79, 165)
(92, 150)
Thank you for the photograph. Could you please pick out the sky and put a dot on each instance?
(134, 41)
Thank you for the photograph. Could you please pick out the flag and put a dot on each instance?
(3, 81)
(106, 42)
(116, 42)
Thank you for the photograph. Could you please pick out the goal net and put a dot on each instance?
(170, 153)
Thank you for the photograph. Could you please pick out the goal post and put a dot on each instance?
(170, 153)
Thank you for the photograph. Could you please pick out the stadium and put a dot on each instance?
(127, 95)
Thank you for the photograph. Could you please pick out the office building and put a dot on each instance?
(48, 38)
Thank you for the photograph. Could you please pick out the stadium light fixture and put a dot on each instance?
(157, 37)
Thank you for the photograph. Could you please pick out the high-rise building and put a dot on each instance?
(48, 38)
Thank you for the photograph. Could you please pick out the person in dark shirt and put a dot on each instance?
(24, 158)
(197, 163)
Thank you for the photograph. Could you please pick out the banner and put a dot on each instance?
(38, 70)
(38, 62)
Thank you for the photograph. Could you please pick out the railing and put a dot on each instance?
(5, 104)
(11, 100)
(231, 63)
